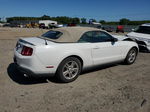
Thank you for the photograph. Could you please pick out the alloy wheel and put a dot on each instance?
(70, 70)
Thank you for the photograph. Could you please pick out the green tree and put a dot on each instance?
(93, 20)
(45, 17)
(75, 20)
(124, 21)
(83, 20)
(102, 22)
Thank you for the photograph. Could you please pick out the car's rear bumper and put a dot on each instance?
(30, 73)
(32, 66)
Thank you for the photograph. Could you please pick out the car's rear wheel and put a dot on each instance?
(131, 56)
(69, 69)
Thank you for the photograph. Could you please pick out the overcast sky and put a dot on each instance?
(109, 10)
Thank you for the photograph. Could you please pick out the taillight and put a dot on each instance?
(26, 51)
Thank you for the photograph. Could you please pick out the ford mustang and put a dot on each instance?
(66, 52)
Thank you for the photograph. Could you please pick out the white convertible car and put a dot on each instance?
(65, 52)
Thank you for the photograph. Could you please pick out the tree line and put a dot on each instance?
(76, 20)
(61, 20)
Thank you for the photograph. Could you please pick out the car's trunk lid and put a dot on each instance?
(35, 41)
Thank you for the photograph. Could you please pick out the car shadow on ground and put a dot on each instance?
(19, 78)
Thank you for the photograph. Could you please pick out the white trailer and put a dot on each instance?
(48, 23)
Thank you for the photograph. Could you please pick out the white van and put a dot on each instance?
(142, 36)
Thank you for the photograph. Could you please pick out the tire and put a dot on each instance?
(131, 56)
(69, 70)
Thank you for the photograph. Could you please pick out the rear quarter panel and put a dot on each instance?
(53, 55)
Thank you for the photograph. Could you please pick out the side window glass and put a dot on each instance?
(105, 37)
(95, 37)
(101, 37)
(86, 37)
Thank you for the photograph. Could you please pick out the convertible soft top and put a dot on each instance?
(72, 34)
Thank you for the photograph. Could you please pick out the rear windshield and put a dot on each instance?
(52, 34)
(143, 29)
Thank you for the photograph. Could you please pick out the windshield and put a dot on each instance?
(52, 34)
(143, 29)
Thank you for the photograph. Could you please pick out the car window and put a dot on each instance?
(143, 29)
(86, 37)
(52, 34)
(102, 37)
(95, 36)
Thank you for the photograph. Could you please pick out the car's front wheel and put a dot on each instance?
(131, 56)
(69, 69)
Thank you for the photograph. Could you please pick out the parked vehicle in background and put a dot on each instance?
(7, 25)
(1, 24)
(42, 26)
(65, 52)
(108, 28)
(120, 28)
(71, 24)
(46, 24)
(142, 36)
(93, 22)
(32, 25)
(96, 23)
(99, 26)
(60, 25)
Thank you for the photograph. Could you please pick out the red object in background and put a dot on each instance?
(120, 28)
(71, 24)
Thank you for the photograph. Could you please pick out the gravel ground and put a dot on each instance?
(114, 88)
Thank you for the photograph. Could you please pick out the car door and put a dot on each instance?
(105, 48)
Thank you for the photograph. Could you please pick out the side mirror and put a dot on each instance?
(114, 40)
